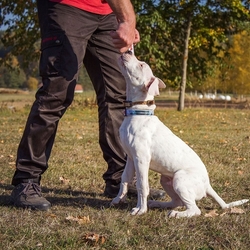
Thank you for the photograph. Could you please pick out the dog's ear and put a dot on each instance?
(162, 85)
(154, 85)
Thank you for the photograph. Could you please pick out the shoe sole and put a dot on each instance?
(37, 208)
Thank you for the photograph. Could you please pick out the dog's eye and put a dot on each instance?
(141, 65)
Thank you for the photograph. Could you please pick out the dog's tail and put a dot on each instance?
(221, 202)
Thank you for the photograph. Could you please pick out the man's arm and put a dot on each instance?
(123, 10)
(126, 34)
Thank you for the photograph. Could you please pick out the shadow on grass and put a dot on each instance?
(4, 198)
(64, 198)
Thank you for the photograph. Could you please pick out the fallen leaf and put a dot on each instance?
(223, 141)
(64, 180)
(236, 210)
(94, 238)
(240, 172)
(233, 210)
(83, 219)
(39, 244)
(212, 213)
(79, 219)
(241, 159)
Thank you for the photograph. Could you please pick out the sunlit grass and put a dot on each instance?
(74, 185)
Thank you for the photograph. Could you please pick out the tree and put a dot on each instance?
(22, 33)
(11, 79)
(240, 61)
(165, 27)
(32, 83)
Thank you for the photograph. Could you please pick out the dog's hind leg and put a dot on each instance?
(167, 184)
(186, 188)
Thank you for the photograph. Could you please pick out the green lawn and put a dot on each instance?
(73, 184)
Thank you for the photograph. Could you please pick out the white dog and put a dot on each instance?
(149, 144)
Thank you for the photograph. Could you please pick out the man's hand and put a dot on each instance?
(124, 38)
(126, 35)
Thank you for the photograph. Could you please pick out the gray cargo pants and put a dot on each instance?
(71, 37)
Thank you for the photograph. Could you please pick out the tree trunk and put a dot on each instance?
(184, 68)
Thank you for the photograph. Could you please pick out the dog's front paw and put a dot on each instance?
(138, 211)
(118, 199)
(173, 214)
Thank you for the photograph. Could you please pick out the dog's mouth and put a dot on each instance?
(129, 52)
(126, 56)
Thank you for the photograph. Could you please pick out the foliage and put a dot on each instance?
(10, 78)
(22, 31)
(162, 25)
(240, 60)
(230, 74)
(32, 83)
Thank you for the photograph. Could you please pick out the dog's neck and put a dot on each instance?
(138, 101)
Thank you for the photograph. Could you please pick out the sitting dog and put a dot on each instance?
(149, 144)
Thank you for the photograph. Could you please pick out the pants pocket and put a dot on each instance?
(51, 50)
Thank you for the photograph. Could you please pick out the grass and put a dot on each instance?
(74, 185)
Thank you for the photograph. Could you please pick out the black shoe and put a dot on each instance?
(111, 191)
(28, 195)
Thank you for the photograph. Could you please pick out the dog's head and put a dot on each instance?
(139, 74)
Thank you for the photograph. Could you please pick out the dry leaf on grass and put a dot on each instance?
(240, 172)
(39, 244)
(241, 159)
(79, 219)
(233, 210)
(93, 238)
(212, 213)
(64, 180)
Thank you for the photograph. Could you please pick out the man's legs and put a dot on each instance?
(101, 64)
(62, 55)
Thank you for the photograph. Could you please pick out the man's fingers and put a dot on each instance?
(123, 43)
(119, 42)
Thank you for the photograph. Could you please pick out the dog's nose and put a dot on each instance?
(129, 52)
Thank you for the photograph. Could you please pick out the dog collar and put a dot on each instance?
(129, 104)
(138, 112)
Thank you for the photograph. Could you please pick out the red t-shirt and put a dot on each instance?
(94, 6)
